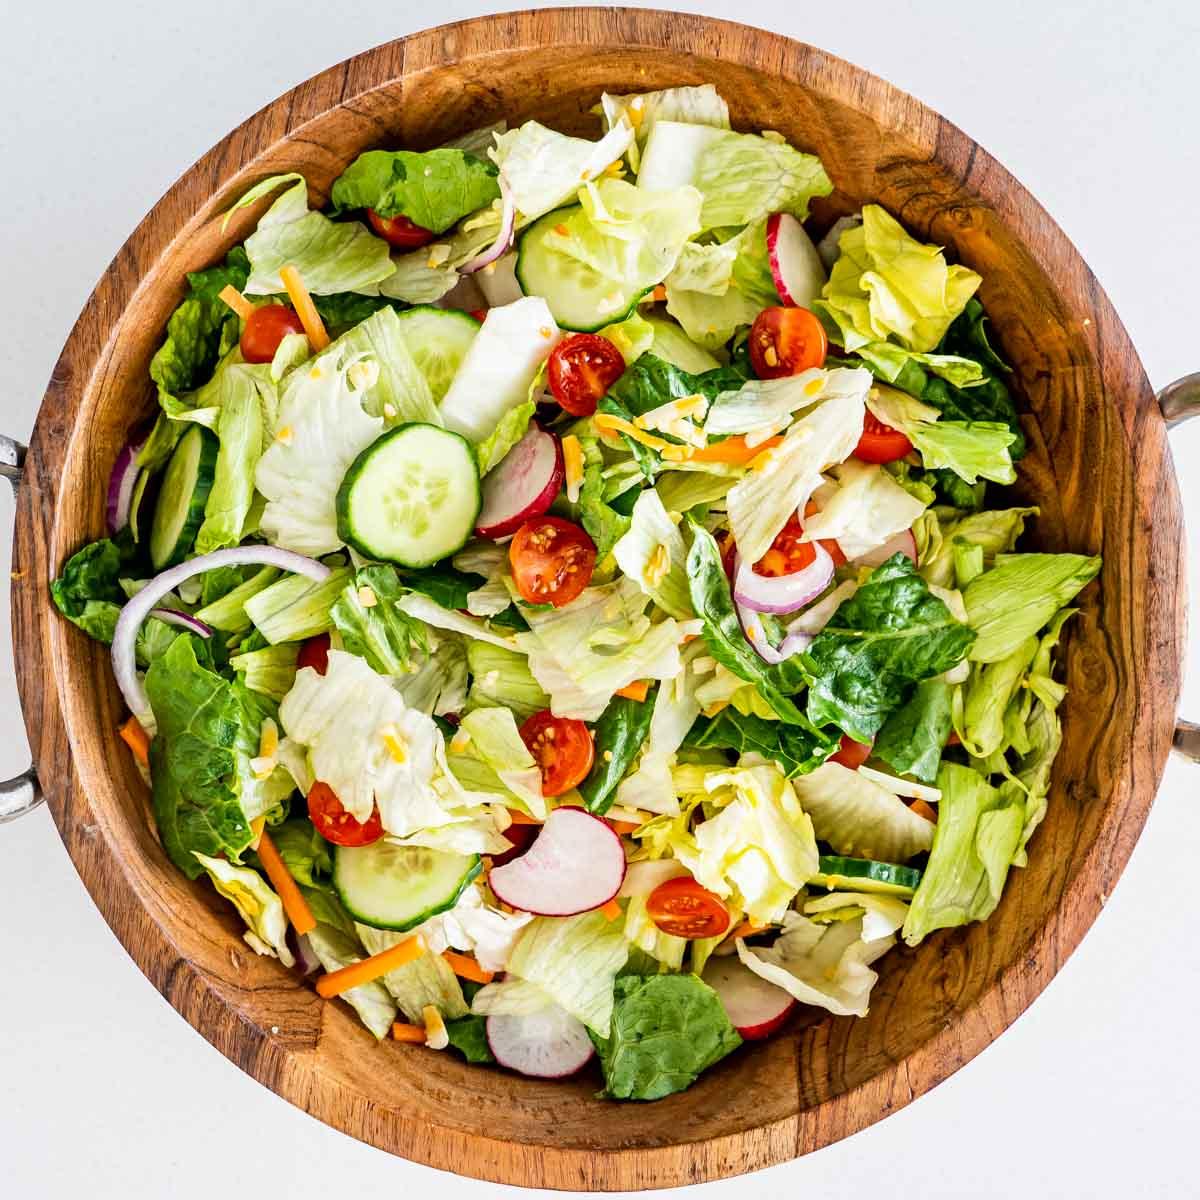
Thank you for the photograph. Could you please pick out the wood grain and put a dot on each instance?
(1098, 466)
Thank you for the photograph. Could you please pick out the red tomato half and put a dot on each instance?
(851, 754)
(786, 341)
(788, 554)
(552, 561)
(562, 747)
(314, 653)
(682, 908)
(582, 368)
(335, 824)
(266, 327)
(480, 314)
(400, 231)
(880, 443)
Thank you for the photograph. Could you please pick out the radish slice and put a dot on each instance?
(782, 593)
(548, 1044)
(523, 485)
(121, 484)
(903, 543)
(755, 1008)
(756, 635)
(508, 224)
(172, 616)
(796, 266)
(576, 864)
(124, 644)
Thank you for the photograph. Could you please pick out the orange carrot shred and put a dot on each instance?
(733, 450)
(624, 828)
(465, 967)
(136, 738)
(370, 969)
(236, 301)
(413, 1034)
(294, 903)
(744, 930)
(306, 310)
(637, 690)
(922, 809)
(520, 818)
(611, 910)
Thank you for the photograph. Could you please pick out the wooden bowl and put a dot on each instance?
(1098, 466)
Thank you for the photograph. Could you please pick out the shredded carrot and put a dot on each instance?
(624, 828)
(922, 809)
(636, 690)
(236, 301)
(414, 1034)
(294, 903)
(465, 967)
(659, 294)
(520, 818)
(306, 310)
(744, 930)
(611, 910)
(136, 738)
(733, 450)
(370, 969)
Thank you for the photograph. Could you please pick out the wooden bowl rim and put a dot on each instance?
(39, 639)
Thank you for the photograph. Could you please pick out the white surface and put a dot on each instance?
(105, 1092)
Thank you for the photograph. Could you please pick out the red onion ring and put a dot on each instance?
(508, 224)
(782, 593)
(172, 616)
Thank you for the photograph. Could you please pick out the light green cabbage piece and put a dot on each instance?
(654, 555)
(1019, 595)
(978, 833)
(825, 965)
(886, 285)
(257, 905)
(881, 915)
(570, 961)
(867, 508)
(860, 819)
(294, 608)
(270, 671)
(330, 256)
(372, 1001)
(353, 722)
(762, 502)
(700, 105)
(428, 979)
(502, 677)
(494, 739)
(544, 169)
(672, 345)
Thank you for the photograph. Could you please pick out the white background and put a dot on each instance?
(106, 1092)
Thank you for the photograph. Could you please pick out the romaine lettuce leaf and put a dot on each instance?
(995, 531)
(641, 931)
(493, 738)
(330, 256)
(1019, 595)
(434, 189)
(257, 905)
(700, 105)
(889, 636)
(674, 346)
(271, 670)
(986, 697)
(973, 450)
(305, 853)
(378, 631)
(633, 336)
(294, 608)
(604, 525)
(666, 1030)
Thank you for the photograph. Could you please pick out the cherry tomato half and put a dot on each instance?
(880, 443)
(562, 747)
(682, 908)
(314, 653)
(335, 824)
(582, 368)
(480, 314)
(788, 554)
(786, 341)
(400, 231)
(851, 754)
(552, 561)
(266, 327)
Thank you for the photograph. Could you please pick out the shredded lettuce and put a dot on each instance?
(379, 631)
(294, 608)
(501, 677)
(336, 949)
(865, 510)
(271, 670)
(692, 105)
(495, 740)
(654, 555)
(428, 979)
(257, 905)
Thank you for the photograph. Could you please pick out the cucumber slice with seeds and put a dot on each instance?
(438, 339)
(411, 497)
(398, 887)
(186, 483)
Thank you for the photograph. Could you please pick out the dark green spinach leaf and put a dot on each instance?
(913, 737)
(618, 736)
(797, 749)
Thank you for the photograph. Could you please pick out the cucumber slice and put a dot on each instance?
(866, 875)
(579, 297)
(182, 497)
(139, 516)
(438, 339)
(398, 887)
(411, 497)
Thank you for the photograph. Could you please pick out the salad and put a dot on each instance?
(560, 603)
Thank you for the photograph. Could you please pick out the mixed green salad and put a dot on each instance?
(560, 603)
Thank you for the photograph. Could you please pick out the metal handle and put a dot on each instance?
(21, 794)
(1180, 401)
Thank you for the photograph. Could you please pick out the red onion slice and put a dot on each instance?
(121, 483)
(172, 616)
(756, 635)
(782, 593)
(139, 608)
(508, 224)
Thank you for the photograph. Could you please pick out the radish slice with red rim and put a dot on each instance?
(903, 543)
(756, 1008)
(576, 864)
(522, 486)
(796, 266)
(782, 593)
(547, 1044)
